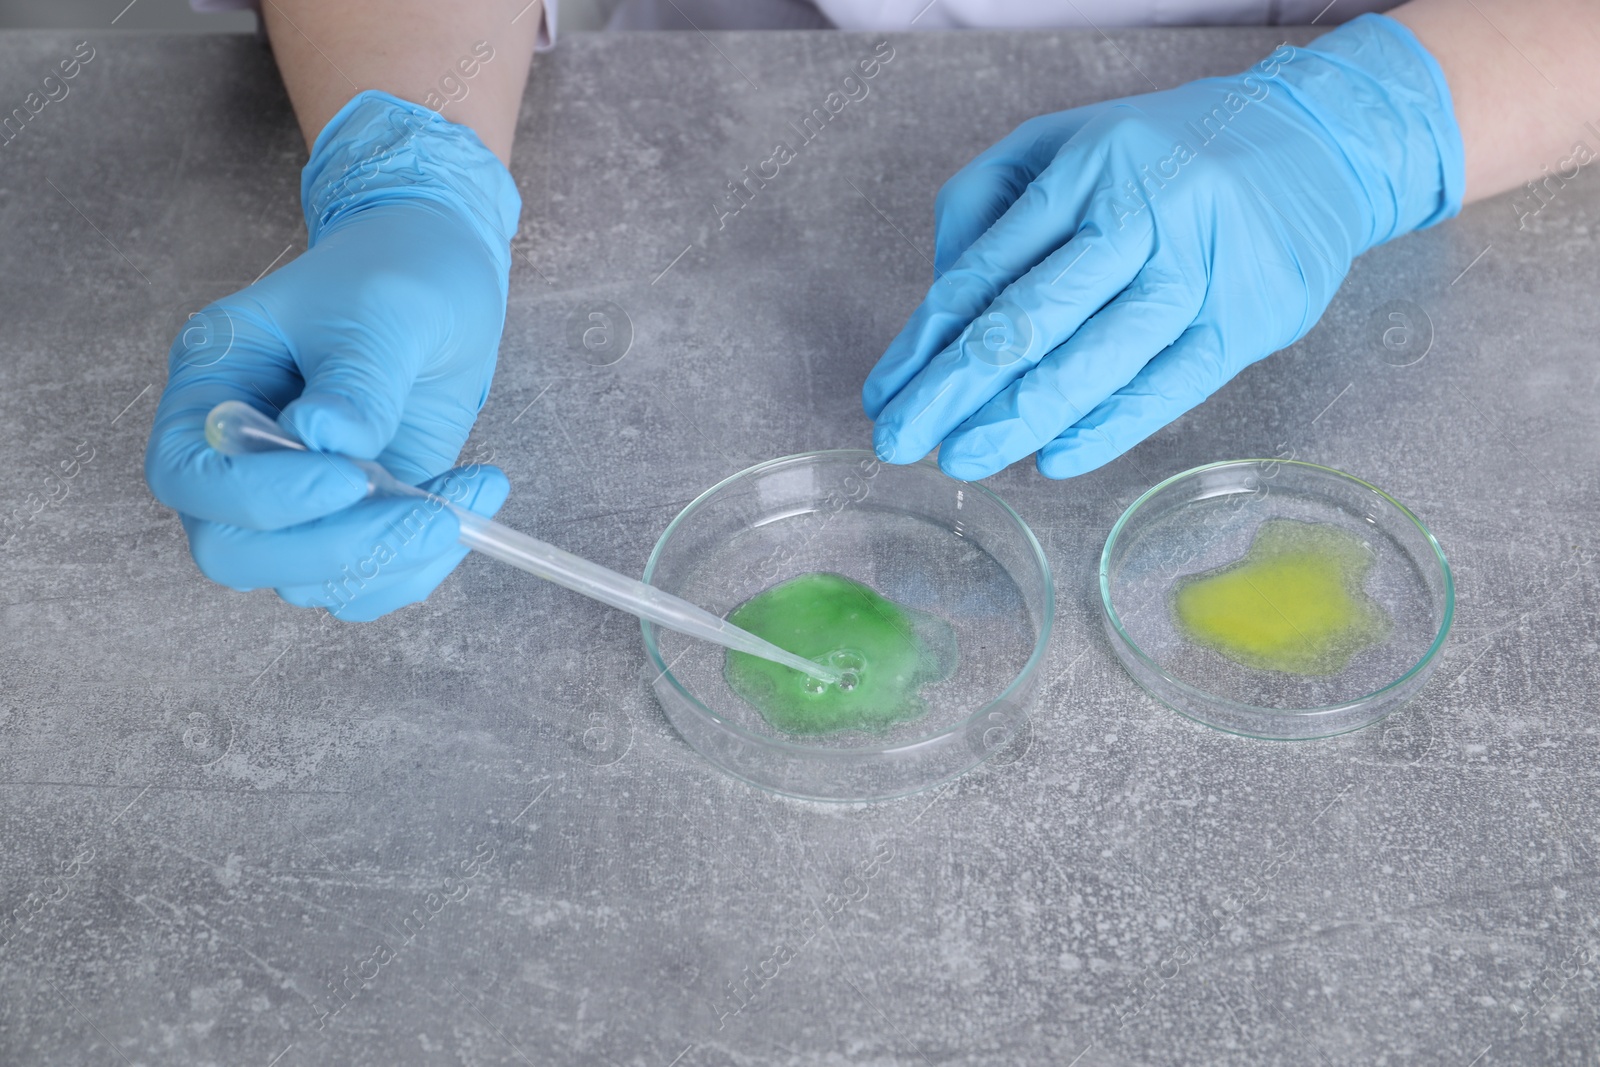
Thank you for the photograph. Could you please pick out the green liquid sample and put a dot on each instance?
(1294, 603)
(888, 652)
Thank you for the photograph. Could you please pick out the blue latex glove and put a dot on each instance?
(1105, 269)
(379, 342)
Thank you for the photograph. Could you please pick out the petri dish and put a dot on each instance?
(1204, 522)
(930, 543)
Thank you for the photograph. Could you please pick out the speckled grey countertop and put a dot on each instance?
(216, 808)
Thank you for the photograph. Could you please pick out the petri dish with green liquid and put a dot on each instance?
(1275, 599)
(931, 594)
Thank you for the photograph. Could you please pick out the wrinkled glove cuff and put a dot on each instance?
(380, 148)
(1382, 99)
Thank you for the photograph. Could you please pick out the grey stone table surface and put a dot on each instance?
(237, 833)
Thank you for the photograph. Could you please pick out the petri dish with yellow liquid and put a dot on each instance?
(1275, 598)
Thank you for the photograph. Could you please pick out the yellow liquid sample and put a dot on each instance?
(1294, 603)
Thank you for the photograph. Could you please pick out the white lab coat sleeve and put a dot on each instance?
(1086, 14)
(547, 26)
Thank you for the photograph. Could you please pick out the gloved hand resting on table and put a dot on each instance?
(1105, 269)
(378, 342)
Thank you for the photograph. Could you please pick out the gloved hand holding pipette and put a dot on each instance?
(1103, 270)
(378, 342)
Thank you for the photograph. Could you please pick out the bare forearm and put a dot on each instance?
(467, 59)
(1524, 80)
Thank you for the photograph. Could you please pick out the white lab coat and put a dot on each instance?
(1085, 14)
(946, 14)
(888, 15)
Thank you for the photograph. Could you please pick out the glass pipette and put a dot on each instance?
(234, 427)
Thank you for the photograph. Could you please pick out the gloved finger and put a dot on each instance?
(1029, 319)
(354, 397)
(1190, 370)
(363, 350)
(365, 398)
(437, 421)
(373, 602)
(1048, 214)
(362, 544)
(980, 192)
(359, 349)
(236, 355)
(1074, 378)
(356, 602)
(363, 406)
(937, 322)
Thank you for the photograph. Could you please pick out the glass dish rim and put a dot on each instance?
(1206, 697)
(1035, 659)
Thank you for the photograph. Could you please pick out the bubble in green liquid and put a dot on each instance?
(887, 651)
(1295, 603)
